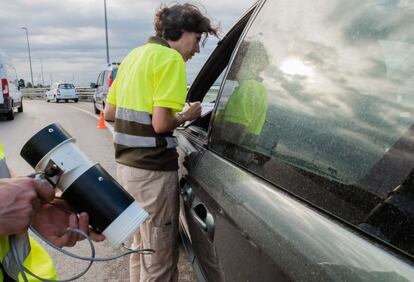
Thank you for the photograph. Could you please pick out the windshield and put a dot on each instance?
(66, 86)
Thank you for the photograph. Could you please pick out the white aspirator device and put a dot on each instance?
(85, 185)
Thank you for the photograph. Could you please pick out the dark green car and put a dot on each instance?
(302, 165)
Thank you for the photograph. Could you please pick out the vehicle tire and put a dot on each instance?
(66, 100)
(20, 109)
(97, 111)
(76, 100)
(47, 100)
(10, 114)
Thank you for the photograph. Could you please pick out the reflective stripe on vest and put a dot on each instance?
(143, 122)
(131, 115)
(133, 141)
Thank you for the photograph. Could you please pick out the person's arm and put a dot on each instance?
(109, 112)
(164, 121)
(110, 105)
(19, 199)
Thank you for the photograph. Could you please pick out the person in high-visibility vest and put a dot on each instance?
(247, 105)
(24, 201)
(241, 120)
(146, 100)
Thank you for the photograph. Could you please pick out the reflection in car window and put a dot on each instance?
(207, 104)
(337, 128)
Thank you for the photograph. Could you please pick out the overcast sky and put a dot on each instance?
(69, 36)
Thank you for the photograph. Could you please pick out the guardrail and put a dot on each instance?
(85, 93)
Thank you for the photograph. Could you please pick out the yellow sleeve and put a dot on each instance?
(111, 97)
(170, 85)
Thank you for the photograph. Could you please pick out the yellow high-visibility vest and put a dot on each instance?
(2, 154)
(247, 106)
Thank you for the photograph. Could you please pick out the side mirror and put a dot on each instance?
(93, 85)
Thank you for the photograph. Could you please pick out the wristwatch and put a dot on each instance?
(180, 118)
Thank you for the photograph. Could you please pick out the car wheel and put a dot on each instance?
(20, 109)
(76, 100)
(66, 100)
(97, 111)
(10, 114)
(47, 100)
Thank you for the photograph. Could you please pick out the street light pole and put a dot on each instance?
(41, 68)
(28, 48)
(106, 35)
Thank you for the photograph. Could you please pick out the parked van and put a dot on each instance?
(103, 83)
(10, 96)
(304, 168)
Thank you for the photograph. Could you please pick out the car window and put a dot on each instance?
(206, 86)
(114, 72)
(322, 106)
(66, 86)
(105, 78)
(99, 82)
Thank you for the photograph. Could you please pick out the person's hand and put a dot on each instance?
(19, 198)
(52, 219)
(192, 111)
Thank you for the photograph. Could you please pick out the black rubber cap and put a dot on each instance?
(43, 142)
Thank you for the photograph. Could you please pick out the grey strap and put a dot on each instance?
(19, 250)
(4, 170)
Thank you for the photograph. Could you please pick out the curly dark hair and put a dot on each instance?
(170, 22)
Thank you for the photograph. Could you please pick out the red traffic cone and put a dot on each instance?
(101, 121)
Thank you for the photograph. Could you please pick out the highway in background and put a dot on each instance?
(78, 119)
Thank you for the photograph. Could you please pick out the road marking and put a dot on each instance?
(110, 127)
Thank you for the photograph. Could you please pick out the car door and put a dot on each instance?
(318, 187)
(202, 219)
(50, 94)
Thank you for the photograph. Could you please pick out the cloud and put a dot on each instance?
(69, 36)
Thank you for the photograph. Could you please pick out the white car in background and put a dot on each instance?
(10, 96)
(62, 91)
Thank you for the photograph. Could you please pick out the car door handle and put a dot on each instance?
(187, 193)
(204, 219)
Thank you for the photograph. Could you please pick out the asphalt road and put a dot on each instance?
(78, 119)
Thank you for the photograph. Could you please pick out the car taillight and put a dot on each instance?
(110, 79)
(5, 87)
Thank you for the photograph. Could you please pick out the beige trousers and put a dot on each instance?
(157, 193)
